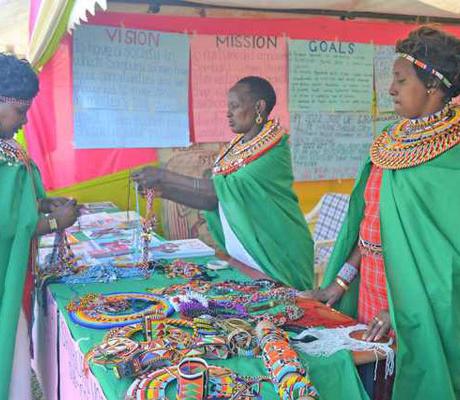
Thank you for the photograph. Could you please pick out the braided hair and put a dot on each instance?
(438, 49)
(17, 78)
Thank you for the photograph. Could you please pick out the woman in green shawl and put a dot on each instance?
(251, 209)
(396, 264)
(22, 199)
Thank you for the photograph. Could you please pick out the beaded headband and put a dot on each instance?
(427, 68)
(15, 101)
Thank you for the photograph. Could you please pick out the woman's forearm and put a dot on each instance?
(192, 192)
(194, 198)
(355, 257)
(198, 185)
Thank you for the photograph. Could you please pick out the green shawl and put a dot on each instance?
(19, 190)
(420, 224)
(263, 212)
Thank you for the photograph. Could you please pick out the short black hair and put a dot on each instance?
(17, 78)
(260, 89)
(440, 51)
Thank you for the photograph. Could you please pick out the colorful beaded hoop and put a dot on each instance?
(118, 309)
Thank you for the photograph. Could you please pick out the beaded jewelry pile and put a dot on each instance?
(196, 380)
(184, 269)
(256, 300)
(167, 341)
(144, 343)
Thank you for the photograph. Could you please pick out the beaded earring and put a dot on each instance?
(259, 118)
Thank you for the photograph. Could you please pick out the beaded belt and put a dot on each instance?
(369, 248)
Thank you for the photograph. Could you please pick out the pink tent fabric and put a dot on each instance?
(49, 132)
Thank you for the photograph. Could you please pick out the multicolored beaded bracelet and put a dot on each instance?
(286, 371)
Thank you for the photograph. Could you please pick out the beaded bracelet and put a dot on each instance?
(222, 384)
(348, 273)
(192, 379)
(288, 376)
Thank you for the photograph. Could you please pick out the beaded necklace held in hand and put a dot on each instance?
(412, 142)
(237, 154)
(149, 224)
(62, 260)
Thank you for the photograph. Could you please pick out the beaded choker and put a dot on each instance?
(237, 154)
(412, 142)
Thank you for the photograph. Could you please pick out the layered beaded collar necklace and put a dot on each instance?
(237, 154)
(11, 152)
(412, 142)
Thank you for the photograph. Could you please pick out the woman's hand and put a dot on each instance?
(378, 327)
(329, 295)
(149, 177)
(49, 204)
(66, 215)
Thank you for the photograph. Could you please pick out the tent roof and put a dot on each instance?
(423, 8)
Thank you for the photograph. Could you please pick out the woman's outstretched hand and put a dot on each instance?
(329, 295)
(378, 326)
(148, 177)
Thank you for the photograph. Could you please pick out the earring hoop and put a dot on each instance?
(259, 118)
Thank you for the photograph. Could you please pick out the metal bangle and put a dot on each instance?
(341, 283)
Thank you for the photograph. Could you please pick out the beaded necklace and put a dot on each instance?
(62, 260)
(12, 153)
(117, 309)
(149, 224)
(413, 142)
(237, 154)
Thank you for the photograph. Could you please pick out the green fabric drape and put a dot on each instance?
(264, 213)
(19, 190)
(421, 247)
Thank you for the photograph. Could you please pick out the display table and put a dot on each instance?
(60, 346)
